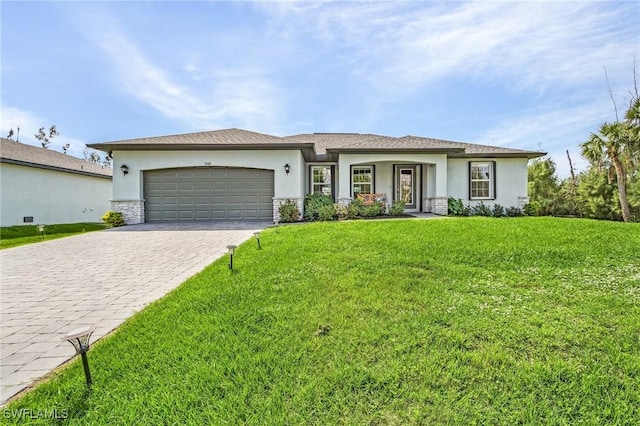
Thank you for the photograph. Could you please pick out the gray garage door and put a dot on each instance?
(208, 194)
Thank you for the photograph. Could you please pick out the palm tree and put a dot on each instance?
(612, 147)
(633, 118)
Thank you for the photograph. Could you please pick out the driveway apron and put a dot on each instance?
(99, 278)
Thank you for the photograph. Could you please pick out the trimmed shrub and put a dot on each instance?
(481, 210)
(455, 207)
(289, 212)
(326, 212)
(514, 212)
(397, 208)
(372, 210)
(498, 211)
(313, 203)
(113, 219)
(355, 208)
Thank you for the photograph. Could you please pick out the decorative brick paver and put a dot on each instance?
(98, 278)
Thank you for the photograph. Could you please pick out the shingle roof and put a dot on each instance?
(214, 137)
(316, 146)
(348, 142)
(33, 156)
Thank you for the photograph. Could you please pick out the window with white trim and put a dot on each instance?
(361, 180)
(321, 180)
(481, 180)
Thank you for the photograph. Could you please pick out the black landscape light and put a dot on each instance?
(41, 230)
(79, 338)
(231, 250)
(257, 234)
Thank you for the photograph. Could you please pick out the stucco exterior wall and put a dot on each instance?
(51, 197)
(384, 180)
(130, 187)
(511, 180)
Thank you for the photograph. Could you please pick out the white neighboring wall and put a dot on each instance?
(511, 183)
(51, 197)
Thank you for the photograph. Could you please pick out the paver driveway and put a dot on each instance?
(99, 278)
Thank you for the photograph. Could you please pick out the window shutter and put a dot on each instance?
(495, 195)
(469, 180)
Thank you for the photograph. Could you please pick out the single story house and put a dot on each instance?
(42, 186)
(235, 174)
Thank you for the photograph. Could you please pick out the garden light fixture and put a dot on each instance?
(287, 168)
(257, 234)
(41, 230)
(231, 250)
(125, 169)
(79, 338)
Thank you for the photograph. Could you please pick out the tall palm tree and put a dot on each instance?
(612, 147)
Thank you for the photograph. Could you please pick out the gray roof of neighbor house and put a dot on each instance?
(32, 156)
(315, 146)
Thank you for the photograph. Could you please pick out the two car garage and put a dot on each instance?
(208, 193)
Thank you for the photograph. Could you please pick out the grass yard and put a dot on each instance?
(399, 322)
(13, 236)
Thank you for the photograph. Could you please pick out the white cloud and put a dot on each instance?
(28, 124)
(239, 97)
(403, 46)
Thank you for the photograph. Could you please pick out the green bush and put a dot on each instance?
(397, 208)
(373, 210)
(313, 203)
(289, 212)
(514, 212)
(113, 219)
(481, 210)
(355, 209)
(326, 212)
(455, 207)
(498, 211)
(341, 212)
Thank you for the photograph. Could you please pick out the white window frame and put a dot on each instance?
(371, 171)
(323, 185)
(481, 181)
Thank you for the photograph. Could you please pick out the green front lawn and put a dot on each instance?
(457, 321)
(13, 236)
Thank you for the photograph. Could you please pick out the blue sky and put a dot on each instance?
(520, 74)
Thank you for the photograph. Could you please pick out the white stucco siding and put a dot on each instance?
(130, 187)
(51, 197)
(384, 175)
(511, 180)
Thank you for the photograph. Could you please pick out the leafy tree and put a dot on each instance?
(44, 137)
(543, 186)
(596, 196)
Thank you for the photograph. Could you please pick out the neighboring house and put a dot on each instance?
(235, 174)
(41, 186)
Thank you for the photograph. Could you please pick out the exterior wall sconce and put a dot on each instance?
(125, 169)
(79, 338)
(287, 168)
(231, 250)
(257, 235)
(41, 230)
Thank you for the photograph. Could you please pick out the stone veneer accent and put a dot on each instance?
(132, 210)
(277, 202)
(436, 205)
(522, 201)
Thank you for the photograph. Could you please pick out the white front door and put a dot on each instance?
(406, 186)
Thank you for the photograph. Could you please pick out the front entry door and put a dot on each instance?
(406, 186)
